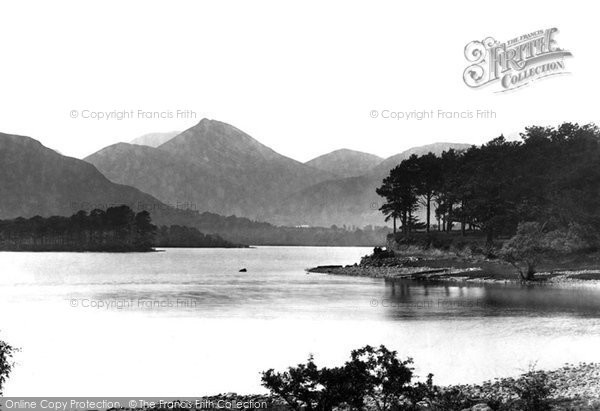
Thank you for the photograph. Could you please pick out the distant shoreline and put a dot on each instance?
(156, 249)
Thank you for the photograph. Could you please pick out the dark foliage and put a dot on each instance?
(379, 253)
(116, 229)
(550, 177)
(543, 190)
(374, 378)
(533, 391)
(373, 375)
(6, 364)
(181, 236)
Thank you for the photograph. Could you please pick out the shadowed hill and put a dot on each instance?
(175, 181)
(345, 163)
(38, 181)
(213, 167)
(231, 153)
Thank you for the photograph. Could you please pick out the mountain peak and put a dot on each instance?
(215, 127)
(205, 123)
(216, 141)
(227, 151)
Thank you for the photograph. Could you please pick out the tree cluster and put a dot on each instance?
(550, 177)
(116, 229)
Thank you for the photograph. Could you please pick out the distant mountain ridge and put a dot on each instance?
(213, 167)
(172, 179)
(35, 180)
(231, 152)
(216, 167)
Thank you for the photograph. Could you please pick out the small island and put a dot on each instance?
(118, 229)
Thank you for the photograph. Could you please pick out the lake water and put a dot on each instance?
(187, 322)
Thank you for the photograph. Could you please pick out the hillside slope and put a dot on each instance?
(345, 163)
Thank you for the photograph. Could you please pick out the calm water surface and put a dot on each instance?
(187, 322)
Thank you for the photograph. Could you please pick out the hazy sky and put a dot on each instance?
(301, 77)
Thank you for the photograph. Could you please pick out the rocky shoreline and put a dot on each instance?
(575, 387)
(454, 269)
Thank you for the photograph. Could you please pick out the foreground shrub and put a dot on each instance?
(383, 378)
(372, 374)
(533, 390)
(6, 364)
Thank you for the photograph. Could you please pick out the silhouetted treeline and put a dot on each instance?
(552, 177)
(116, 229)
(181, 236)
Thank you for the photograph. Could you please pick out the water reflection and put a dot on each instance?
(409, 299)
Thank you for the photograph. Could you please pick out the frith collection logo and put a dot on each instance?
(514, 63)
